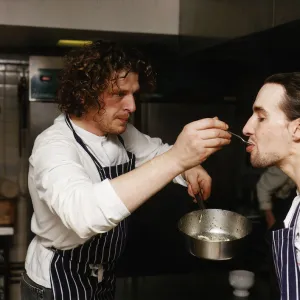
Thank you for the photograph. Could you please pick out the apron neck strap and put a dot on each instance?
(82, 144)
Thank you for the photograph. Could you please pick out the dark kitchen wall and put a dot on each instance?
(206, 84)
(189, 88)
(222, 81)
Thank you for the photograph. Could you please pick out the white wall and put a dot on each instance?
(220, 19)
(137, 16)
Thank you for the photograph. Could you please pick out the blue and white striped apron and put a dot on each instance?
(285, 260)
(87, 272)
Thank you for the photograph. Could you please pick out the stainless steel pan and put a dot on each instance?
(214, 233)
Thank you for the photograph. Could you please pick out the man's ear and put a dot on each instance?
(295, 130)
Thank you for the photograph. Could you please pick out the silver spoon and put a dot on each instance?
(246, 142)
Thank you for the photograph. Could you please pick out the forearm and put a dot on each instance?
(270, 218)
(265, 204)
(135, 187)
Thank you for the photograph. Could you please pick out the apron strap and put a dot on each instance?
(83, 145)
(121, 140)
(295, 216)
(129, 154)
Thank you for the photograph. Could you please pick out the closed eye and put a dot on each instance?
(136, 94)
(120, 94)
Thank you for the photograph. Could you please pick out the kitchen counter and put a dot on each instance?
(6, 230)
(165, 270)
(208, 284)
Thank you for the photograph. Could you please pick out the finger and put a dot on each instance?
(195, 185)
(209, 152)
(190, 191)
(216, 143)
(205, 188)
(208, 123)
(214, 133)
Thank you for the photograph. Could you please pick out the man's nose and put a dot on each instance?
(130, 104)
(247, 131)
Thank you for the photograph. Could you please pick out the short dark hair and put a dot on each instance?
(291, 84)
(88, 71)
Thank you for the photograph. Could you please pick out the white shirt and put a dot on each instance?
(273, 182)
(70, 202)
(287, 222)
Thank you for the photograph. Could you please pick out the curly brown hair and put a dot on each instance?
(89, 70)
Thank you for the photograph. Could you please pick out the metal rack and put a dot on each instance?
(11, 162)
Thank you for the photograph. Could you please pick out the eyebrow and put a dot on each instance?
(259, 109)
(118, 90)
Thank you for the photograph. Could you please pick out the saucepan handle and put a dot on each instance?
(200, 200)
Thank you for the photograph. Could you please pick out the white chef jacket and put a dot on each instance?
(275, 181)
(287, 222)
(70, 202)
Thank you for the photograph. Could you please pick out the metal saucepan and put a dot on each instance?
(214, 234)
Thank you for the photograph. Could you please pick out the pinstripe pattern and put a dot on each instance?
(70, 269)
(285, 261)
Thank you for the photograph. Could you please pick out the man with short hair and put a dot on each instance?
(82, 177)
(274, 134)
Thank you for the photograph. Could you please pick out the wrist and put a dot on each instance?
(175, 163)
(183, 175)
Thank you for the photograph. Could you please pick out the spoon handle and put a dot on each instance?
(246, 142)
(200, 201)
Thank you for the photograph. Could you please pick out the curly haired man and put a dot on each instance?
(92, 168)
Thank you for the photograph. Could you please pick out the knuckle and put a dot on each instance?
(188, 130)
(219, 142)
(207, 122)
(186, 127)
(217, 132)
(194, 143)
(211, 122)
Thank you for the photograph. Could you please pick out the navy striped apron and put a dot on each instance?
(285, 260)
(87, 272)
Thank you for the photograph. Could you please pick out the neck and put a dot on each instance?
(291, 167)
(88, 124)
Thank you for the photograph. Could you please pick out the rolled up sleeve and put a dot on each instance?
(272, 179)
(146, 148)
(61, 182)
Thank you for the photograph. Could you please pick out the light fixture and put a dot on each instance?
(73, 43)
